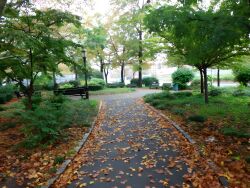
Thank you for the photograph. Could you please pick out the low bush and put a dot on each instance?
(241, 92)
(242, 73)
(147, 81)
(215, 92)
(178, 111)
(7, 125)
(59, 160)
(183, 94)
(6, 93)
(197, 118)
(231, 131)
(97, 81)
(182, 76)
(135, 81)
(116, 85)
(74, 83)
(166, 86)
(65, 85)
(195, 84)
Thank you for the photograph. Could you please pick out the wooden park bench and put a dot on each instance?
(78, 91)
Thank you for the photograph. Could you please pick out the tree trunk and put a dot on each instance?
(30, 92)
(218, 78)
(201, 81)
(101, 65)
(2, 5)
(106, 72)
(54, 80)
(140, 59)
(122, 72)
(205, 85)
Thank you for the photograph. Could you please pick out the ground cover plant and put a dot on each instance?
(221, 128)
(33, 143)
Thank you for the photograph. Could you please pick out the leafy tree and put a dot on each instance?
(31, 44)
(203, 38)
(242, 71)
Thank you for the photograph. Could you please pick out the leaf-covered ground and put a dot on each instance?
(20, 167)
(132, 147)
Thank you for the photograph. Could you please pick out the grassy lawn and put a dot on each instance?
(107, 91)
(49, 133)
(221, 128)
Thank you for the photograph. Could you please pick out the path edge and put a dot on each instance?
(223, 180)
(77, 148)
(185, 134)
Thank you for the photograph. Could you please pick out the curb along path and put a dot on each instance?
(132, 147)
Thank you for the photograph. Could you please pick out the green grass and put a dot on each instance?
(232, 111)
(107, 91)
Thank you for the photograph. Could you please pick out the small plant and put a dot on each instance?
(215, 92)
(166, 86)
(231, 131)
(52, 170)
(59, 160)
(7, 125)
(197, 118)
(183, 94)
(178, 112)
(248, 159)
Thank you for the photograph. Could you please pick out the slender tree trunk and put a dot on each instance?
(2, 5)
(218, 78)
(122, 72)
(205, 85)
(54, 80)
(29, 96)
(201, 81)
(140, 59)
(106, 72)
(101, 65)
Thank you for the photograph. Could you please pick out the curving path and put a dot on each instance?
(134, 150)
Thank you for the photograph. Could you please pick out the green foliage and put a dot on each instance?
(215, 92)
(195, 84)
(65, 85)
(7, 125)
(75, 83)
(6, 93)
(166, 86)
(43, 82)
(96, 74)
(182, 76)
(147, 81)
(46, 123)
(242, 73)
(197, 118)
(116, 85)
(135, 81)
(183, 94)
(59, 160)
(97, 81)
(178, 111)
(241, 92)
(231, 131)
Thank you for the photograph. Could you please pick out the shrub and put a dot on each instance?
(177, 111)
(59, 160)
(183, 94)
(166, 86)
(147, 81)
(93, 87)
(182, 76)
(215, 92)
(134, 81)
(242, 74)
(97, 81)
(241, 92)
(65, 85)
(74, 83)
(116, 85)
(6, 93)
(231, 131)
(197, 118)
(42, 125)
(96, 74)
(195, 84)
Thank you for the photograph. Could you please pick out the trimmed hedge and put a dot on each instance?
(148, 81)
